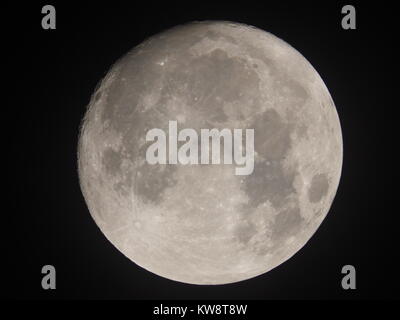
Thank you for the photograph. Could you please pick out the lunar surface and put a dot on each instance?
(202, 224)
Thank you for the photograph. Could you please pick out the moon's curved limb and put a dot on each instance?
(203, 224)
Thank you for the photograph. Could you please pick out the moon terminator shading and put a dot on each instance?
(203, 224)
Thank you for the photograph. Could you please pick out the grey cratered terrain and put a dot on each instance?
(203, 224)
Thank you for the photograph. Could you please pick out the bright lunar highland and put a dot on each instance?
(202, 224)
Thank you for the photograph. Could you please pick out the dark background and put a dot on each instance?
(51, 75)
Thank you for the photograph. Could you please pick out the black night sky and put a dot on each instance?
(52, 74)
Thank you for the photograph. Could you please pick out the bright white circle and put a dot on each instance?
(203, 224)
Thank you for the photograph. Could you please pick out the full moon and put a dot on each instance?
(202, 224)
